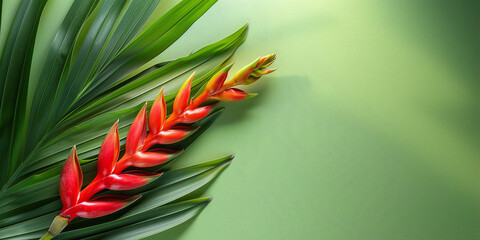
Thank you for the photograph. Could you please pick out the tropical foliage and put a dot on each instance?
(95, 73)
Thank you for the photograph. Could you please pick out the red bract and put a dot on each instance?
(70, 180)
(146, 159)
(194, 115)
(217, 80)
(137, 133)
(129, 180)
(138, 146)
(109, 152)
(99, 206)
(182, 98)
(158, 113)
(230, 95)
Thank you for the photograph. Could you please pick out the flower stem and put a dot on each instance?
(47, 236)
(58, 224)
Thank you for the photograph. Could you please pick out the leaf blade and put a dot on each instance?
(14, 76)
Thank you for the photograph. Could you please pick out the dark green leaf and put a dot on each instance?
(14, 74)
(53, 67)
(158, 220)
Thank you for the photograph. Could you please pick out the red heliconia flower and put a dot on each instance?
(139, 146)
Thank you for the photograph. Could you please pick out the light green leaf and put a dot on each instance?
(154, 40)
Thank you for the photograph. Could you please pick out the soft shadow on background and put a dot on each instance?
(368, 130)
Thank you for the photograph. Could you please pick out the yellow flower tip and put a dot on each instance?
(267, 71)
(228, 67)
(183, 96)
(160, 94)
(251, 95)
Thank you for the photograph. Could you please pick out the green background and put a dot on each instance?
(368, 130)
